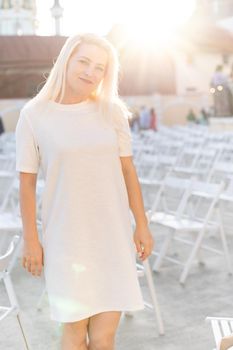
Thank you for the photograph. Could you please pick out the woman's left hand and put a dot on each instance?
(144, 242)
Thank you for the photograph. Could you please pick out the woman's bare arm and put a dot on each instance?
(32, 258)
(142, 235)
(28, 205)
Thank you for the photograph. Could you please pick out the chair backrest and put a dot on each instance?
(220, 171)
(172, 194)
(207, 189)
(203, 198)
(147, 163)
(189, 155)
(206, 158)
(227, 194)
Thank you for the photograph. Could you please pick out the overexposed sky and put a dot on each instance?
(98, 16)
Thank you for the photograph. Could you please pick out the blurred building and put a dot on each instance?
(17, 17)
(205, 44)
(184, 69)
(25, 61)
(216, 9)
(26, 58)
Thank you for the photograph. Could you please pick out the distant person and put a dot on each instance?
(153, 119)
(135, 123)
(223, 98)
(2, 130)
(144, 118)
(230, 80)
(204, 116)
(191, 116)
(219, 77)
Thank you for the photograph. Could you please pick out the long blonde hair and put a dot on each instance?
(107, 92)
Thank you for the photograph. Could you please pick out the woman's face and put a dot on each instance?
(86, 69)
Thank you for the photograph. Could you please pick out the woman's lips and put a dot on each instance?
(86, 81)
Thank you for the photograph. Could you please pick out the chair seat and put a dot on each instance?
(144, 181)
(172, 221)
(189, 170)
(226, 197)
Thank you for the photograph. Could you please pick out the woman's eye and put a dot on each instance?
(100, 69)
(82, 61)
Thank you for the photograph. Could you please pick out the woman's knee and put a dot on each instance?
(102, 342)
(102, 329)
(75, 333)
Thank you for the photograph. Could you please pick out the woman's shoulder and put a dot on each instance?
(120, 112)
(120, 109)
(32, 109)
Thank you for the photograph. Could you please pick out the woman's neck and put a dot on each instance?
(71, 99)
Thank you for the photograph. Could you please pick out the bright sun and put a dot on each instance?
(145, 19)
(156, 22)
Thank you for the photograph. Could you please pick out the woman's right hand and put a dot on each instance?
(33, 257)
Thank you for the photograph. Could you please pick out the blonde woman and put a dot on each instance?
(76, 129)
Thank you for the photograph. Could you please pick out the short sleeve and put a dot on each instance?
(123, 133)
(27, 154)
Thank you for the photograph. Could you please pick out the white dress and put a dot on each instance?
(89, 252)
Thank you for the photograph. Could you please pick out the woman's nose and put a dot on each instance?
(89, 71)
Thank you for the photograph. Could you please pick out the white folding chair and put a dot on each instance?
(171, 196)
(222, 328)
(201, 165)
(187, 219)
(6, 265)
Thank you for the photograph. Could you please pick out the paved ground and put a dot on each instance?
(209, 291)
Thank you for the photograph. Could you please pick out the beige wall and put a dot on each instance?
(172, 109)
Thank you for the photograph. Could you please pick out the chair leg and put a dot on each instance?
(224, 244)
(13, 300)
(153, 296)
(200, 258)
(10, 290)
(194, 252)
(162, 252)
(200, 255)
(22, 332)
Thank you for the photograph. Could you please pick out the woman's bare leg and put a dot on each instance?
(74, 336)
(226, 342)
(102, 329)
